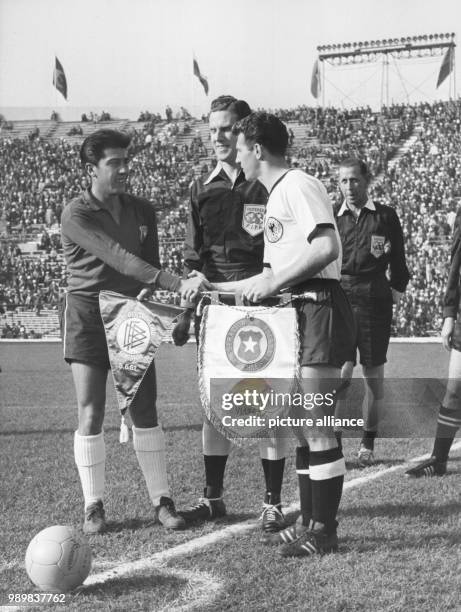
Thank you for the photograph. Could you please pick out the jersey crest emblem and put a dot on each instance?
(273, 229)
(377, 245)
(250, 344)
(253, 218)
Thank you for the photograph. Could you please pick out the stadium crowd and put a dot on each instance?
(39, 176)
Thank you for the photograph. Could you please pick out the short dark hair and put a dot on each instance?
(356, 162)
(240, 108)
(92, 149)
(265, 129)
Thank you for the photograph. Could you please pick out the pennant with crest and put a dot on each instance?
(134, 333)
(246, 354)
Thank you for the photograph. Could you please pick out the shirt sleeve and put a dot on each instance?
(89, 235)
(400, 275)
(451, 297)
(150, 246)
(309, 203)
(194, 235)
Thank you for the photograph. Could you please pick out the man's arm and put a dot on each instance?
(324, 250)
(92, 238)
(400, 275)
(194, 236)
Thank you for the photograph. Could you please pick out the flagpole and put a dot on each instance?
(323, 84)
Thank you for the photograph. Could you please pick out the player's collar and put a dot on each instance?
(217, 170)
(344, 208)
(93, 202)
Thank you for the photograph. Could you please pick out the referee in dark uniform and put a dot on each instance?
(374, 275)
(225, 242)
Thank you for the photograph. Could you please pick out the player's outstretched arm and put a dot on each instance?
(324, 250)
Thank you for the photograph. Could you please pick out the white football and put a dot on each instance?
(58, 559)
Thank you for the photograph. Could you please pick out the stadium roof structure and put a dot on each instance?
(373, 51)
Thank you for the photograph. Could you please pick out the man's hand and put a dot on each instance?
(180, 331)
(396, 296)
(191, 287)
(447, 332)
(259, 287)
(196, 273)
(144, 294)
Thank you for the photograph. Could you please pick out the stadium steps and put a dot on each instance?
(403, 148)
(46, 323)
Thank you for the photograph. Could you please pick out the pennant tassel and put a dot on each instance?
(124, 431)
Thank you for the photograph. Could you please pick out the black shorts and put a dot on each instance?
(326, 323)
(82, 330)
(372, 310)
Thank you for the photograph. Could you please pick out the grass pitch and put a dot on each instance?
(399, 539)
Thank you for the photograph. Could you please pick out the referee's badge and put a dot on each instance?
(273, 229)
(143, 232)
(253, 218)
(377, 245)
(250, 344)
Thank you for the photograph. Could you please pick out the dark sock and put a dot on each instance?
(326, 496)
(273, 474)
(327, 490)
(304, 483)
(339, 439)
(448, 424)
(215, 466)
(368, 439)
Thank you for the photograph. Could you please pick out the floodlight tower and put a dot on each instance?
(406, 47)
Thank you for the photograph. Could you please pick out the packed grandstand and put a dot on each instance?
(412, 151)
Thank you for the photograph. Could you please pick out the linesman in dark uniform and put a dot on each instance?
(225, 242)
(374, 275)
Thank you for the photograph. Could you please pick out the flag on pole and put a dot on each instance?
(315, 80)
(203, 80)
(59, 78)
(447, 65)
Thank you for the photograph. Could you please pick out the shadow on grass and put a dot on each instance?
(53, 432)
(130, 525)
(369, 541)
(427, 513)
(116, 587)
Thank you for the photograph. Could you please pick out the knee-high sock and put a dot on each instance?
(90, 459)
(326, 469)
(149, 445)
(448, 423)
(273, 452)
(216, 449)
(304, 483)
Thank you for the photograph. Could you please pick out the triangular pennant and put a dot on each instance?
(134, 332)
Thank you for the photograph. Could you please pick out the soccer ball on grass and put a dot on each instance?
(58, 559)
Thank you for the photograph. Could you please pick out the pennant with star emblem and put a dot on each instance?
(248, 352)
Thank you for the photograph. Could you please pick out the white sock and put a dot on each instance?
(90, 459)
(149, 445)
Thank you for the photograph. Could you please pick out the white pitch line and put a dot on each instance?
(228, 532)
